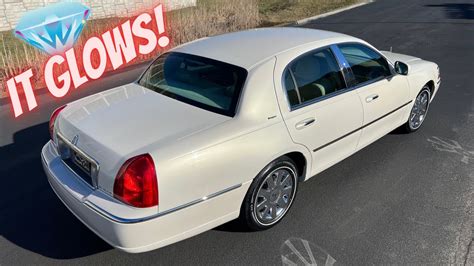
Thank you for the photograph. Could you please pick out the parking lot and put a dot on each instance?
(404, 199)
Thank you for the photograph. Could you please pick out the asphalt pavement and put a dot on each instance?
(404, 199)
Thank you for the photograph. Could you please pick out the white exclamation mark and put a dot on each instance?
(163, 41)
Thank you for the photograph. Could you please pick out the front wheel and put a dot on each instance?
(419, 111)
(271, 195)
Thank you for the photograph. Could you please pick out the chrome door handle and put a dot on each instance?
(305, 123)
(371, 98)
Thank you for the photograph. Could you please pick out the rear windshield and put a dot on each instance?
(199, 81)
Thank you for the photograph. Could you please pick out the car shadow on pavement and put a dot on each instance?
(31, 216)
(457, 10)
(234, 226)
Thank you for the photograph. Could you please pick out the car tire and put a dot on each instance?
(419, 111)
(270, 195)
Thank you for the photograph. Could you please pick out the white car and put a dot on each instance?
(227, 127)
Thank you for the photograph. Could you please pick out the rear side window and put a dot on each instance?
(313, 76)
(291, 89)
(366, 64)
(199, 81)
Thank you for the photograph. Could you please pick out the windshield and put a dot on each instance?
(199, 81)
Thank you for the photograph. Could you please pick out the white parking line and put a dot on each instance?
(452, 146)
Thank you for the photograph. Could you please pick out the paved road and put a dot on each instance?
(404, 199)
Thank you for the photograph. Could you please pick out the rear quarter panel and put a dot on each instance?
(229, 154)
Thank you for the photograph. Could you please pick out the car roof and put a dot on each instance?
(248, 48)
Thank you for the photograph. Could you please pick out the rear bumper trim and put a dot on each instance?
(106, 214)
(117, 219)
(135, 234)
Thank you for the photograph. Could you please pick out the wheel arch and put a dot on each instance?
(422, 73)
(300, 162)
(430, 85)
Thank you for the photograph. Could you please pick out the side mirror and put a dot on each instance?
(401, 68)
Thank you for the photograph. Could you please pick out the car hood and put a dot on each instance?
(393, 57)
(116, 124)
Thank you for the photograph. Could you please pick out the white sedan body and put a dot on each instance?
(206, 161)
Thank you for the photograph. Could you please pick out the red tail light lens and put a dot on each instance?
(136, 183)
(52, 120)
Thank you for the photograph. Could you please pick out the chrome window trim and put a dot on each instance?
(373, 49)
(363, 84)
(122, 220)
(319, 99)
(345, 70)
(288, 66)
(296, 86)
(344, 66)
(337, 93)
(390, 64)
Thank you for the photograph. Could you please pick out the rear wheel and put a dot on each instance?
(419, 110)
(271, 195)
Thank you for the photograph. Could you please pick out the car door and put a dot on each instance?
(319, 110)
(383, 93)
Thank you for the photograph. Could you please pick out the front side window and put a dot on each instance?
(199, 81)
(366, 64)
(312, 76)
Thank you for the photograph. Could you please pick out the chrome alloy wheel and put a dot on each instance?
(419, 110)
(275, 195)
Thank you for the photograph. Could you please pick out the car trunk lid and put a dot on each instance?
(112, 126)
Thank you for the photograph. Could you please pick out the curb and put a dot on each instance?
(306, 20)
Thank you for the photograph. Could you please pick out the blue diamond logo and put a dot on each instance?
(54, 28)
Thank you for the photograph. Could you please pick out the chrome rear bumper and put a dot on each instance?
(134, 233)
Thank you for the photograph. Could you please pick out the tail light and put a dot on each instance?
(52, 120)
(136, 183)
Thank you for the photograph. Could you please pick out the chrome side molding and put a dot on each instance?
(122, 220)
